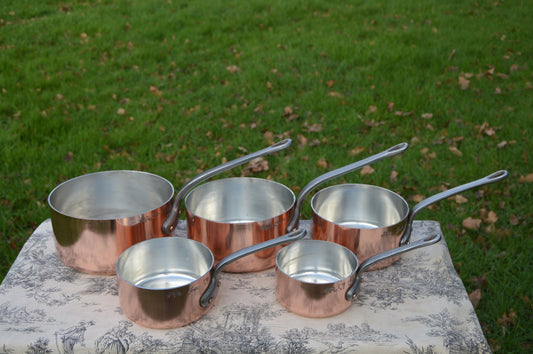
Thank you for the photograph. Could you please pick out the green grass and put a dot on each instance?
(196, 81)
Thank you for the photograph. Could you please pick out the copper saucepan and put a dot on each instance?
(170, 282)
(229, 214)
(97, 216)
(320, 279)
(369, 219)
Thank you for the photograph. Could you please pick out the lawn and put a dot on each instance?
(176, 87)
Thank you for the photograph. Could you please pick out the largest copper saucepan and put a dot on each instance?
(368, 219)
(229, 214)
(97, 216)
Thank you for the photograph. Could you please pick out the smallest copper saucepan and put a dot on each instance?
(321, 279)
(170, 282)
(369, 219)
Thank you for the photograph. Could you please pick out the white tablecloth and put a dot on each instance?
(417, 305)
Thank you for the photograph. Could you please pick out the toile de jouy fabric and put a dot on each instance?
(417, 305)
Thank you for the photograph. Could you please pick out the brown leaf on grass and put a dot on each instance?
(289, 114)
(390, 106)
(524, 179)
(69, 157)
(502, 144)
(330, 83)
(256, 165)
(471, 224)
(335, 94)
(491, 217)
(427, 115)
(459, 199)
(514, 220)
(507, 320)
(302, 140)
(367, 170)
(322, 163)
(417, 198)
(475, 297)
(269, 136)
(356, 151)
(155, 91)
(233, 69)
(463, 82)
(313, 128)
(454, 150)
(121, 111)
(393, 176)
(480, 282)
(371, 109)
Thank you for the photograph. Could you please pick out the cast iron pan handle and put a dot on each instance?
(351, 294)
(492, 178)
(212, 290)
(172, 220)
(393, 151)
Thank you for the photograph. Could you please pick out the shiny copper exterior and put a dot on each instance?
(224, 239)
(230, 214)
(161, 281)
(95, 217)
(363, 242)
(299, 287)
(169, 308)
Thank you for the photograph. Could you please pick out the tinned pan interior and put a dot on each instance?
(164, 263)
(360, 206)
(316, 262)
(110, 195)
(239, 200)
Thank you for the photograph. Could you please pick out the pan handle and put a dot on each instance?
(172, 219)
(210, 294)
(492, 178)
(351, 294)
(393, 151)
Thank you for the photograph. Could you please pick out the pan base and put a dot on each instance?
(166, 281)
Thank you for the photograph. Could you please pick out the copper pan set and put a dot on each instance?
(115, 222)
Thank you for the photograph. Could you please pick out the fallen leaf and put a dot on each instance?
(507, 320)
(390, 106)
(481, 281)
(459, 199)
(427, 115)
(256, 165)
(356, 151)
(471, 224)
(475, 297)
(121, 111)
(232, 68)
(367, 170)
(322, 163)
(335, 94)
(372, 109)
(393, 176)
(528, 178)
(417, 198)
(463, 82)
(514, 220)
(502, 144)
(455, 151)
(491, 217)
(313, 128)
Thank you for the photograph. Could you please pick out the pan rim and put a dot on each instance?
(76, 179)
(361, 185)
(223, 180)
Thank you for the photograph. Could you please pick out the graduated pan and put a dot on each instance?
(320, 279)
(170, 282)
(369, 219)
(229, 214)
(97, 216)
